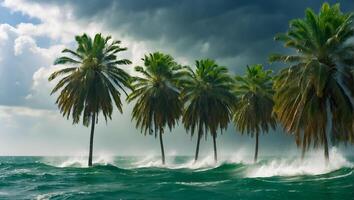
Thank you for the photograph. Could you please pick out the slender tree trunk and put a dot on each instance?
(326, 155)
(198, 143)
(303, 153)
(91, 139)
(256, 150)
(303, 149)
(162, 148)
(197, 150)
(215, 152)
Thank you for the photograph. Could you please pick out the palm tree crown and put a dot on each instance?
(314, 92)
(157, 95)
(254, 105)
(91, 79)
(208, 100)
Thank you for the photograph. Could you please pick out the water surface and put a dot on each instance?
(146, 178)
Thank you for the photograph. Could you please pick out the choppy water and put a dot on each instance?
(145, 178)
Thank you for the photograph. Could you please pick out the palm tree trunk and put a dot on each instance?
(303, 153)
(198, 143)
(256, 150)
(215, 152)
(325, 141)
(304, 148)
(91, 139)
(197, 150)
(162, 148)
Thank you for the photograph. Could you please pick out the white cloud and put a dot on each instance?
(24, 69)
(21, 57)
(59, 26)
(56, 22)
(24, 87)
(24, 111)
(24, 42)
(5, 31)
(41, 87)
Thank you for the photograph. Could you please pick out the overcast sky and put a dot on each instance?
(33, 32)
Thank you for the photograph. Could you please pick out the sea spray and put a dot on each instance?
(78, 161)
(313, 164)
(233, 177)
(205, 162)
(171, 163)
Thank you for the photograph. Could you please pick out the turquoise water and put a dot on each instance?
(145, 178)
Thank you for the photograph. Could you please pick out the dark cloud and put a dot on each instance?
(232, 31)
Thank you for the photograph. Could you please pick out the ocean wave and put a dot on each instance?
(202, 184)
(155, 161)
(236, 163)
(78, 161)
(334, 177)
(202, 164)
(4, 194)
(49, 195)
(311, 165)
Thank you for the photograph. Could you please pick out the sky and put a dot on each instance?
(33, 32)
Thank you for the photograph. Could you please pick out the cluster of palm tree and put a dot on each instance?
(311, 97)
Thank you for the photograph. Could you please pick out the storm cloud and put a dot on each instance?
(233, 32)
(33, 32)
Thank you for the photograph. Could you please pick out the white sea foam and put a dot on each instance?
(80, 161)
(203, 163)
(4, 193)
(202, 184)
(155, 161)
(312, 165)
(48, 195)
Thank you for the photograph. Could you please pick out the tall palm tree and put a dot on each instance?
(254, 105)
(314, 93)
(208, 100)
(90, 81)
(157, 95)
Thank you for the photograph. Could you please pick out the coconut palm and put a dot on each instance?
(253, 110)
(90, 81)
(157, 95)
(313, 93)
(208, 101)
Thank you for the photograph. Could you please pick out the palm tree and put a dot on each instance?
(313, 93)
(157, 95)
(208, 100)
(90, 81)
(254, 105)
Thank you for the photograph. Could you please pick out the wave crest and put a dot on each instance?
(79, 161)
(204, 163)
(312, 165)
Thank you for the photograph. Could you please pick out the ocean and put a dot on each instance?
(141, 177)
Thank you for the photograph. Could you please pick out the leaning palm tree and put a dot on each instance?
(91, 81)
(157, 95)
(253, 110)
(313, 93)
(208, 100)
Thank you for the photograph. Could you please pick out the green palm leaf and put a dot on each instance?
(314, 92)
(157, 95)
(208, 100)
(253, 110)
(90, 81)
